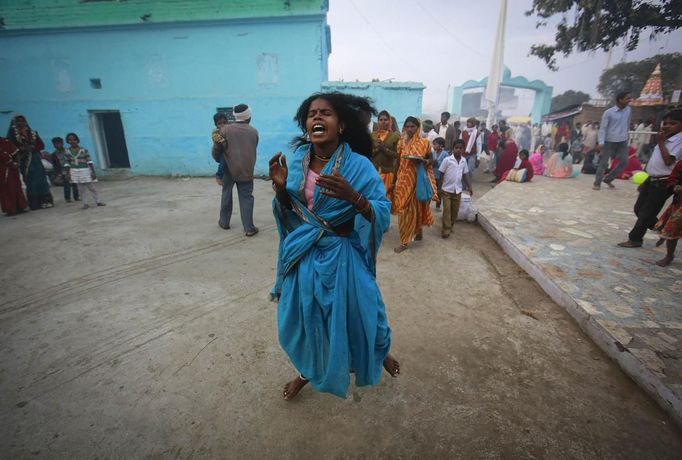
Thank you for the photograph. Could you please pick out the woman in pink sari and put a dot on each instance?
(560, 165)
(536, 160)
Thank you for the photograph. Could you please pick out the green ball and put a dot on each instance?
(638, 178)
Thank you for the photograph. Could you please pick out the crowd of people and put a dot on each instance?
(333, 199)
(22, 158)
(334, 195)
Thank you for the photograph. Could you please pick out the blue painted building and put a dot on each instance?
(162, 68)
(140, 80)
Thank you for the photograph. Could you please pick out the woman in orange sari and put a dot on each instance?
(412, 214)
(385, 150)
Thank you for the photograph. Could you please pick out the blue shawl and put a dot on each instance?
(331, 316)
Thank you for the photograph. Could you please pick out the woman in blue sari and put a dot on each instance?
(331, 211)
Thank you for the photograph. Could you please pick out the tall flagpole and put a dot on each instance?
(492, 89)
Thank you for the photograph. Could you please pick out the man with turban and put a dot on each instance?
(239, 150)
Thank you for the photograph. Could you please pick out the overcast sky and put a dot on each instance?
(447, 42)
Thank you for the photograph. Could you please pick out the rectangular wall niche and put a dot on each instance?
(95, 83)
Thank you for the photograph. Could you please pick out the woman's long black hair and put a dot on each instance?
(355, 112)
(563, 148)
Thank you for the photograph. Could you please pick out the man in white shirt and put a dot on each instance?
(446, 130)
(452, 180)
(428, 132)
(473, 146)
(653, 193)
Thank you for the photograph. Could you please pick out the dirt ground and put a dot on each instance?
(143, 330)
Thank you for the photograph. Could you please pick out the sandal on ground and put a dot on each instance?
(419, 236)
(399, 249)
(251, 232)
(630, 244)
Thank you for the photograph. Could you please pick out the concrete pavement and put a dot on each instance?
(143, 330)
(564, 235)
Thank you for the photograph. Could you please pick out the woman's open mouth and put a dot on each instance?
(318, 129)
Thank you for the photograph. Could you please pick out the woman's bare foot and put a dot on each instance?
(392, 366)
(419, 236)
(664, 262)
(292, 388)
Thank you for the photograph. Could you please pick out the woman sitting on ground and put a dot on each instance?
(509, 155)
(561, 164)
(632, 166)
(536, 160)
(523, 172)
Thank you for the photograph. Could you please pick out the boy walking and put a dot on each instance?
(452, 180)
(439, 154)
(61, 166)
(219, 145)
(654, 192)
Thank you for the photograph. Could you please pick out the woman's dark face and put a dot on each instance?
(411, 128)
(20, 122)
(323, 125)
(384, 122)
(73, 142)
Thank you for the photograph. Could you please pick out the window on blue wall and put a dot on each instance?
(95, 83)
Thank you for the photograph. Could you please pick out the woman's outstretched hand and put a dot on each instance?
(279, 170)
(336, 186)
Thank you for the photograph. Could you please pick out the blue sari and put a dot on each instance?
(331, 316)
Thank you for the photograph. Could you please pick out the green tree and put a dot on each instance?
(590, 25)
(570, 97)
(631, 76)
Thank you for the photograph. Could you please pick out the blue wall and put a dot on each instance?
(401, 99)
(167, 81)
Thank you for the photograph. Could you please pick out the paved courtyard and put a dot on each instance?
(143, 330)
(565, 234)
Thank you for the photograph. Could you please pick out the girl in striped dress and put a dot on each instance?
(81, 170)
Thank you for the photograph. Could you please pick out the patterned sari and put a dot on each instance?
(12, 197)
(31, 165)
(670, 222)
(331, 316)
(412, 214)
(385, 161)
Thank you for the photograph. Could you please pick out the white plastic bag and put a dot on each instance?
(467, 209)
